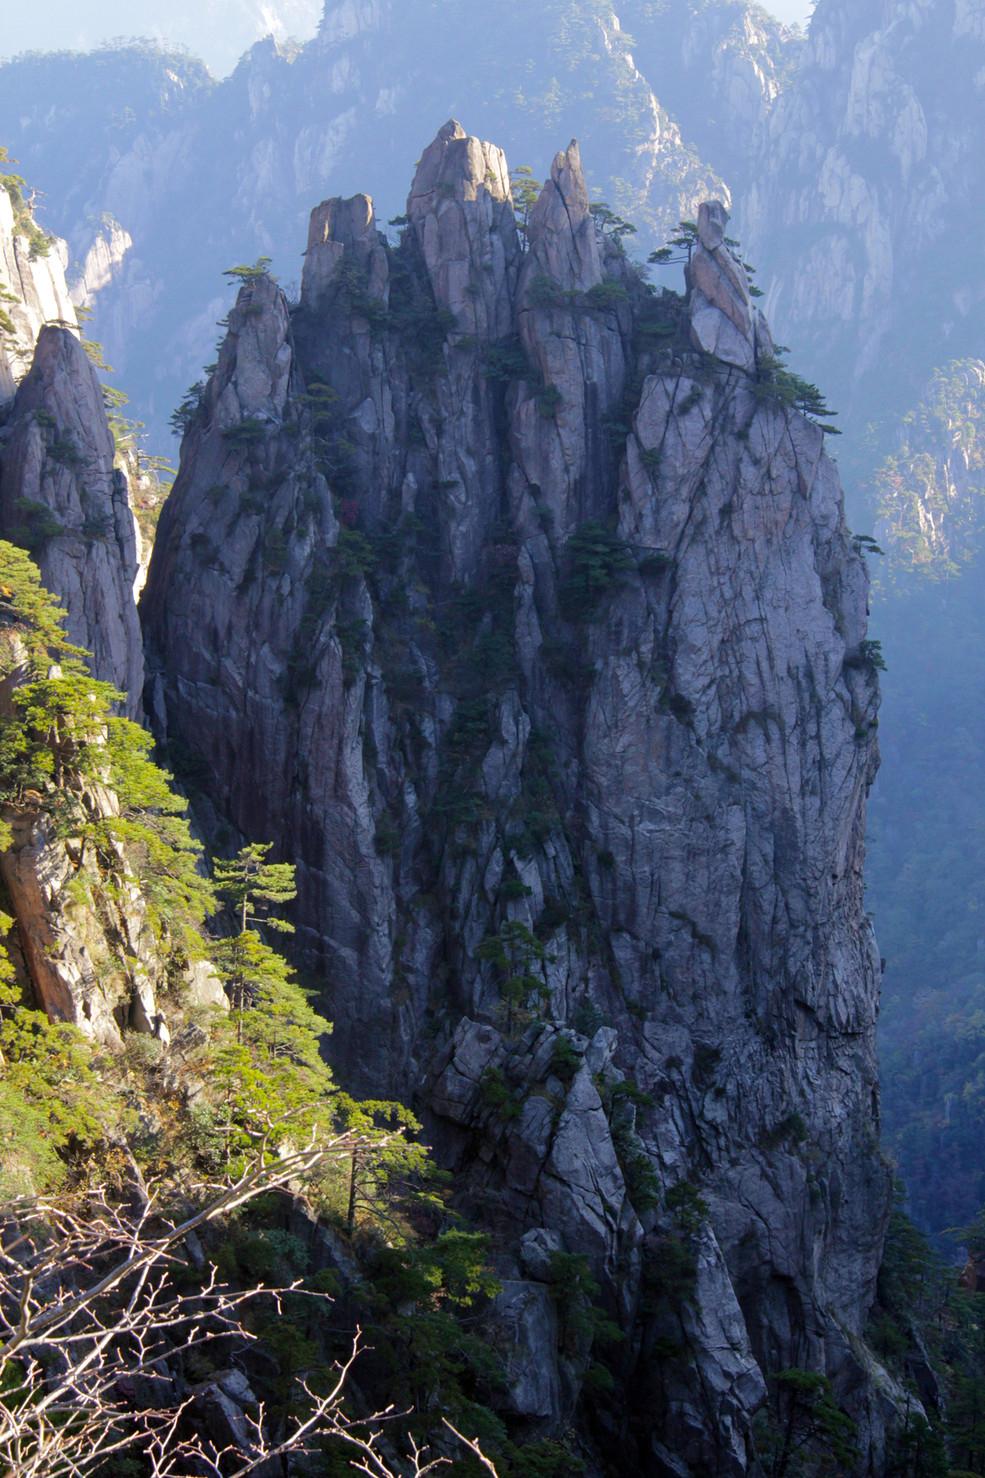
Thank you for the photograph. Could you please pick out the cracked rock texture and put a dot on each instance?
(32, 293)
(62, 497)
(870, 148)
(508, 613)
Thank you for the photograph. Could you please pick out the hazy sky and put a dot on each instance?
(217, 30)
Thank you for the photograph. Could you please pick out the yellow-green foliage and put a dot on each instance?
(23, 216)
(62, 749)
(63, 741)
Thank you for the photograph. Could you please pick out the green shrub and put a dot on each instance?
(595, 561)
(34, 524)
(353, 554)
(565, 1060)
(792, 1130)
(549, 398)
(63, 449)
(182, 417)
(498, 1096)
(246, 433)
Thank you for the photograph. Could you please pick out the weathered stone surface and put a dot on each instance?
(101, 265)
(563, 456)
(337, 227)
(462, 214)
(60, 491)
(524, 1319)
(722, 321)
(204, 987)
(71, 943)
(32, 293)
(386, 661)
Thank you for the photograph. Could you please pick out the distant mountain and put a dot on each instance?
(865, 222)
(164, 177)
(218, 31)
(866, 215)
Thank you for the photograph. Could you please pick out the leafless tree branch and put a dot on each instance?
(88, 1308)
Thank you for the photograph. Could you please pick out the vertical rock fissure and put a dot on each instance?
(536, 680)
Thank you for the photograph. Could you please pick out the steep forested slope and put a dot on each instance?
(927, 820)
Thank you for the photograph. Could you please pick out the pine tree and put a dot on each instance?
(520, 961)
(63, 748)
(250, 879)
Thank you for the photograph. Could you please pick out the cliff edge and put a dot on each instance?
(512, 600)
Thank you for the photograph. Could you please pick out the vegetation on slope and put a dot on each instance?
(248, 1080)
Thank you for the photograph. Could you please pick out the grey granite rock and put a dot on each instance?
(722, 321)
(391, 660)
(32, 293)
(525, 1320)
(90, 956)
(60, 492)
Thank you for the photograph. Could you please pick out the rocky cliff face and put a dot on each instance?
(870, 150)
(503, 595)
(163, 178)
(60, 494)
(32, 293)
(62, 497)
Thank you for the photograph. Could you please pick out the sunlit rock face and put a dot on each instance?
(870, 182)
(506, 596)
(32, 293)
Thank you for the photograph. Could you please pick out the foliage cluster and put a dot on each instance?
(423, 1273)
(40, 241)
(928, 1325)
(595, 561)
(774, 381)
(519, 961)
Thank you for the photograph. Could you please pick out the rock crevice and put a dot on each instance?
(530, 628)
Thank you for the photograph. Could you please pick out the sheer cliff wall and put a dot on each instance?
(508, 598)
(60, 494)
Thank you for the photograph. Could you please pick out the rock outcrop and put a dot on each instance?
(62, 497)
(202, 174)
(536, 639)
(74, 944)
(870, 162)
(32, 293)
(723, 322)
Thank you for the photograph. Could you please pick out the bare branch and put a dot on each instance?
(473, 1447)
(88, 1305)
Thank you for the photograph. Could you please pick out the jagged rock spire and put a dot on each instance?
(561, 232)
(462, 214)
(58, 465)
(600, 585)
(338, 226)
(37, 295)
(723, 320)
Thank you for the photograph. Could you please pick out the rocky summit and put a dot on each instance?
(514, 602)
(61, 495)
